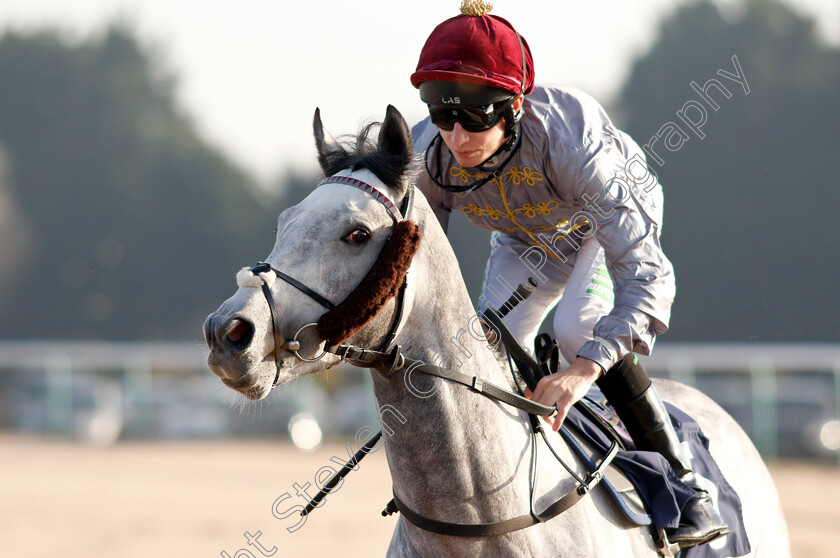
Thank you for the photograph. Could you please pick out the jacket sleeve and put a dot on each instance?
(622, 198)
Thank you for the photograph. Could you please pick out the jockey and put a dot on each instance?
(571, 203)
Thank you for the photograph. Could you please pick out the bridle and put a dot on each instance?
(293, 345)
(391, 361)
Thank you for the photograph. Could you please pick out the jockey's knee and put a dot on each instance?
(571, 334)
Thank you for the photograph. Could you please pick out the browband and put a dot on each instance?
(368, 189)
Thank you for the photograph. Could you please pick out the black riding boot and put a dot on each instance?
(628, 388)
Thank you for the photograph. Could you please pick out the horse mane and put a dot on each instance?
(361, 152)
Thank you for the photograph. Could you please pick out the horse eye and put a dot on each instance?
(358, 237)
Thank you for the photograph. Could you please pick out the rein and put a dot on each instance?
(391, 362)
(395, 361)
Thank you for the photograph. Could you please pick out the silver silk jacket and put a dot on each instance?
(571, 159)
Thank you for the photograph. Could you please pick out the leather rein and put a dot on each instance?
(393, 361)
(390, 362)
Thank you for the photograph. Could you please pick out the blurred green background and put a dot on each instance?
(120, 222)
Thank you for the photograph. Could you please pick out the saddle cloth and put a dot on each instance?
(656, 484)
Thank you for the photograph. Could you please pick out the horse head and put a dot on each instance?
(346, 249)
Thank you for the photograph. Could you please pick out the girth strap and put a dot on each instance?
(467, 529)
(508, 525)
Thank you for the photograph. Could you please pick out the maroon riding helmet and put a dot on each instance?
(471, 69)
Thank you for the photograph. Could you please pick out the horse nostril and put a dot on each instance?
(240, 334)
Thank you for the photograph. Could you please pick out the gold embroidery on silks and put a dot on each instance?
(529, 176)
(488, 211)
(460, 172)
(541, 208)
(515, 176)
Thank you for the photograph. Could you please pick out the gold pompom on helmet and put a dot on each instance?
(475, 7)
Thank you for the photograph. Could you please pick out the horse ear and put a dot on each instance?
(395, 137)
(327, 147)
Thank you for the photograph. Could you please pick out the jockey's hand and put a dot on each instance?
(565, 388)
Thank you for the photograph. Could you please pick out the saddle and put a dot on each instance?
(640, 482)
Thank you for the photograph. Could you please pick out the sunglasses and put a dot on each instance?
(471, 119)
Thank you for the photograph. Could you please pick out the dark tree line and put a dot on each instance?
(117, 221)
(750, 209)
(134, 226)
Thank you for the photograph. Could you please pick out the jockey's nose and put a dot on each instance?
(459, 135)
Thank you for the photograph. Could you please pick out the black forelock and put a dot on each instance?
(362, 152)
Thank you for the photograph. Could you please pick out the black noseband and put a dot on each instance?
(263, 267)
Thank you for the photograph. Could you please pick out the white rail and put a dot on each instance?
(763, 392)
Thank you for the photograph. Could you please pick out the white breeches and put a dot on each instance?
(580, 289)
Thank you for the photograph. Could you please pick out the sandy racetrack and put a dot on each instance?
(199, 499)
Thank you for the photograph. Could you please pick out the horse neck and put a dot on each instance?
(444, 442)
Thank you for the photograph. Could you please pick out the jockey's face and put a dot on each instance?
(471, 149)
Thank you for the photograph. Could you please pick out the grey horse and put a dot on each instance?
(454, 454)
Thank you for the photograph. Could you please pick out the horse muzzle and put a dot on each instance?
(230, 342)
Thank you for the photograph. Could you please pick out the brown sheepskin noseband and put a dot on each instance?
(380, 285)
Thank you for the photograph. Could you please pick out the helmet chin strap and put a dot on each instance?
(512, 119)
(510, 144)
